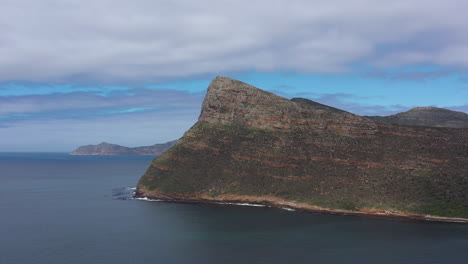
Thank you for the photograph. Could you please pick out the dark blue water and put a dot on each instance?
(56, 208)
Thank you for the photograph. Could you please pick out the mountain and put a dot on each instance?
(113, 149)
(252, 146)
(427, 116)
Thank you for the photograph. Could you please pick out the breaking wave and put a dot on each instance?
(244, 204)
(123, 193)
(128, 193)
(146, 199)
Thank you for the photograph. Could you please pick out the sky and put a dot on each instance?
(134, 73)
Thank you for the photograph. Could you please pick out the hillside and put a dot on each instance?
(427, 116)
(113, 149)
(250, 145)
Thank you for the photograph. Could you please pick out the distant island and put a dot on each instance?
(251, 146)
(113, 149)
(427, 116)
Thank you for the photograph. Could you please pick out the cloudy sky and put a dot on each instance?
(75, 72)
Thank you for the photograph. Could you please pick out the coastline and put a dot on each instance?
(275, 202)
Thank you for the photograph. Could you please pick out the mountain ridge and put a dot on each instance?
(427, 116)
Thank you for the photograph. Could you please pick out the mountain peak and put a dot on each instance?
(105, 143)
(222, 86)
(230, 101)
(428, 108)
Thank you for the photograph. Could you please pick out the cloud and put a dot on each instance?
(460, 108)
(349, 102)
(64, 121)
(413, 75)
(116, 41)
(136, 129)
(360, 104)
(89, 104)
(25, 88)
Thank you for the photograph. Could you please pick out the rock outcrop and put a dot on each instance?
(250, 145)
(428, 117)
(112, 149)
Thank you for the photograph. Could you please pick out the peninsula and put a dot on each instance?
(112, 149)
(252, 146)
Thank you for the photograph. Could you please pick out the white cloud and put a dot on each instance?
(142, 40)
(136, 129)
(85, 102)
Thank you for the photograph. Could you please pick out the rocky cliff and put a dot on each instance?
(427, 116)
(112, 149)
(252, 146)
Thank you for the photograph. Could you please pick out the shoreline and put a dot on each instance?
(275, 202)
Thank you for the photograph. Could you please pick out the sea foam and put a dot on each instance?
(146, 199)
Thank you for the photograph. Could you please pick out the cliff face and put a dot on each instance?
(427, 116)
(231, 102)
(251, 145)
(113, 149)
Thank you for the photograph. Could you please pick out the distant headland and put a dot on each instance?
(112, 149)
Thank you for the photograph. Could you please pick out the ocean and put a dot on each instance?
(57, 208)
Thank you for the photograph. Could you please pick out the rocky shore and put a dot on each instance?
(272, 201)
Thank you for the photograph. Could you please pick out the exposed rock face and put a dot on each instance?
(251, 145)
(427, 116)
(233, 102)
(113, 149)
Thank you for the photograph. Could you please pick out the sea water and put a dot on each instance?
(56, 208)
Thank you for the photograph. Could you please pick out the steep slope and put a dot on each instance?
(113, 149)
(252, 146)
(427, 116)
(315, 104)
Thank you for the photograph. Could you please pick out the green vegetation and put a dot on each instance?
(440, 208)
